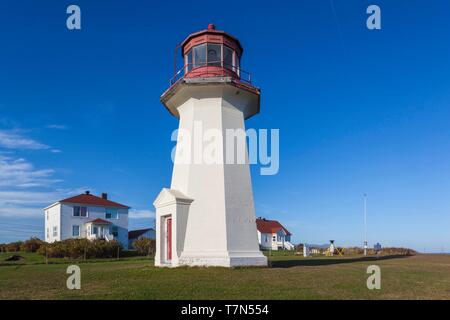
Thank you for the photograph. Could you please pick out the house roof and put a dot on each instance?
(270, 226)
(133, 234)
(99, 221)
(90, 199)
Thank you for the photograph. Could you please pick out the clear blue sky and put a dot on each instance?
(359, 111)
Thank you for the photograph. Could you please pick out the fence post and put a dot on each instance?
(269, 258)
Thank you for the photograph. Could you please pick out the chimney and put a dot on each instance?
(104, 196)
(88, 192)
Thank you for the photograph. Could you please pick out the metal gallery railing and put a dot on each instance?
(212, 68)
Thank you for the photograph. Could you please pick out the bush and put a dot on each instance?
(81, 249)
(13, 246)
(31, 245)
(398, 251)
(384, 251)
(145, 246)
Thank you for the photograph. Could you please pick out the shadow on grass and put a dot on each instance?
(328, 261)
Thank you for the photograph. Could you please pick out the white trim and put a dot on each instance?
(52, 205)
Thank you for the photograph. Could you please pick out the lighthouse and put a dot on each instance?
(207, 216)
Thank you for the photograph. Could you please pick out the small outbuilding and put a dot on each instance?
(272, 235)
(141, 233)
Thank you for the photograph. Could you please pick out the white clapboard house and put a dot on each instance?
(87, 216)
(272, 235)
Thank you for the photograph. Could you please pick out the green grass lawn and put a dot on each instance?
(289, 277)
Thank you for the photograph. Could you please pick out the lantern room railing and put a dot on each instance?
(210, 69)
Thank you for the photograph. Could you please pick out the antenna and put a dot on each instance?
(365, 224)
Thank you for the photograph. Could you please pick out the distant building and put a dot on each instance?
(141, 233)
(87, 216)
(272, 235)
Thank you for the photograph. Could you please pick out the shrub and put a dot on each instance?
(398, 251)
(353, 251)
(31, 245)
(145, 246)
(81, 248)
(13, 246)
(384, 251)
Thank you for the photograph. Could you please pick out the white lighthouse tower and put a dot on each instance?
(207, 217)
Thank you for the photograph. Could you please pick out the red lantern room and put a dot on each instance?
(211, 53)
(210, 56)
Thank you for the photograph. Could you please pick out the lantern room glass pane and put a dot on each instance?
(189, 61)
(236, 64)
(199, 55)
(227, 58)
(214, 54)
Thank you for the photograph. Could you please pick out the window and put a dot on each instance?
(211, 54)
(80, 211)
(76, 231)
(95, 230)
(199, 55)
(47, 234)
(115, 231)
(214, 55)
(227, 58)
(55, 231)
(236, 64)
(112, 214)
(189, 61)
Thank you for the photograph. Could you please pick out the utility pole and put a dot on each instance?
(365, 224)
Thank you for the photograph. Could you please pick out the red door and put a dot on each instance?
(169, 238)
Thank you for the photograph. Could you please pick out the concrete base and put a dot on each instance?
(227, 259)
